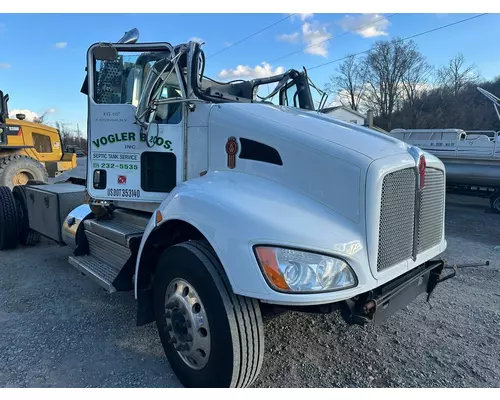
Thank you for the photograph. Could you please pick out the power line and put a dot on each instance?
(334, 37)
(401, 40)
(252, 35)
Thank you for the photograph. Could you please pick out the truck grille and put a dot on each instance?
(397, 216)
(430, 224)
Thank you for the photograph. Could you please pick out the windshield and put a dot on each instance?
(123, 80)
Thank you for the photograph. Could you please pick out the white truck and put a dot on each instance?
(215, 206)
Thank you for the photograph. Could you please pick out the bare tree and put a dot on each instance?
(455, 76)
(40, 119)
(387, 64)
(78, 134)
(350, 82)
(64, 131)
(415, 83)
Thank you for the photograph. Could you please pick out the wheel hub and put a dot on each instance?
(21, 178)
(187, 323)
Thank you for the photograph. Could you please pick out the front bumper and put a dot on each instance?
(380, 303)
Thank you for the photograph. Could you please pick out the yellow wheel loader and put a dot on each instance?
(29, 151)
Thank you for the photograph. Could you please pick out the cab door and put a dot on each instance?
(127, 161)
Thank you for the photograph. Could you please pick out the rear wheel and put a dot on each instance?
(8, 220)
(27, 236)
(19, 170)
(211, 337)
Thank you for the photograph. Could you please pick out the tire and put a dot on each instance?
(233, 323)
(19, 169)
(495, 203)
(31, 239)
(26, 236)
(8, 220)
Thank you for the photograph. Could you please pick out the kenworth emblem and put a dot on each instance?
(231, 150)
(421, 171)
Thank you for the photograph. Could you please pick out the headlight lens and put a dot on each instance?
(301, 271)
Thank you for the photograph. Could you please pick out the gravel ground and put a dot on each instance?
(59, 329)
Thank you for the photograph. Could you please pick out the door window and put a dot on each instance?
(170, 113)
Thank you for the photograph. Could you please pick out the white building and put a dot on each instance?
(345, 114)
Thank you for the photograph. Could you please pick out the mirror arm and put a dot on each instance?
(177, 100)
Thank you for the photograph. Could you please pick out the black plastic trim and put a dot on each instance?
(256, 151)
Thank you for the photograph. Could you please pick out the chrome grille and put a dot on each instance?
(397, 215)
(430, 224)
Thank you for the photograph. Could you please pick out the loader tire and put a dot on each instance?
(8, 220)
(211, 336)
(27, 236)
(19, 169)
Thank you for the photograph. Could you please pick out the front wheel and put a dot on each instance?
(495, 203)
(211, 337)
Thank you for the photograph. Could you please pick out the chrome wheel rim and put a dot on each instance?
(187, 324)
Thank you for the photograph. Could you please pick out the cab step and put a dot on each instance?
(99, 271)
(114, 230)
(107, 251)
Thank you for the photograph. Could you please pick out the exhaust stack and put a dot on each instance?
(132, 36)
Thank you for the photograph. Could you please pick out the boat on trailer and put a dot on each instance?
(471, 158)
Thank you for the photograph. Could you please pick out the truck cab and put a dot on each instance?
(214, 202)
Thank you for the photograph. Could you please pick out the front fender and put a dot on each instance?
(235, 211)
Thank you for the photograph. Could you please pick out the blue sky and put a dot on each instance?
(43, 67)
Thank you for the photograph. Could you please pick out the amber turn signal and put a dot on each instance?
(269, 264)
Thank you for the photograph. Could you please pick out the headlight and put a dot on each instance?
(301, 271)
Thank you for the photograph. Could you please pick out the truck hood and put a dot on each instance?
(313, 126)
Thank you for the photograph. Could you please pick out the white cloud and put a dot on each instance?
(366, 25)
(60, 45)
(262, 70)
(51, 110)
(302, 17)
(30, 115)
(4, 65)
(316, 37)
(197, 39)
(289, 37)
(227, 44)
